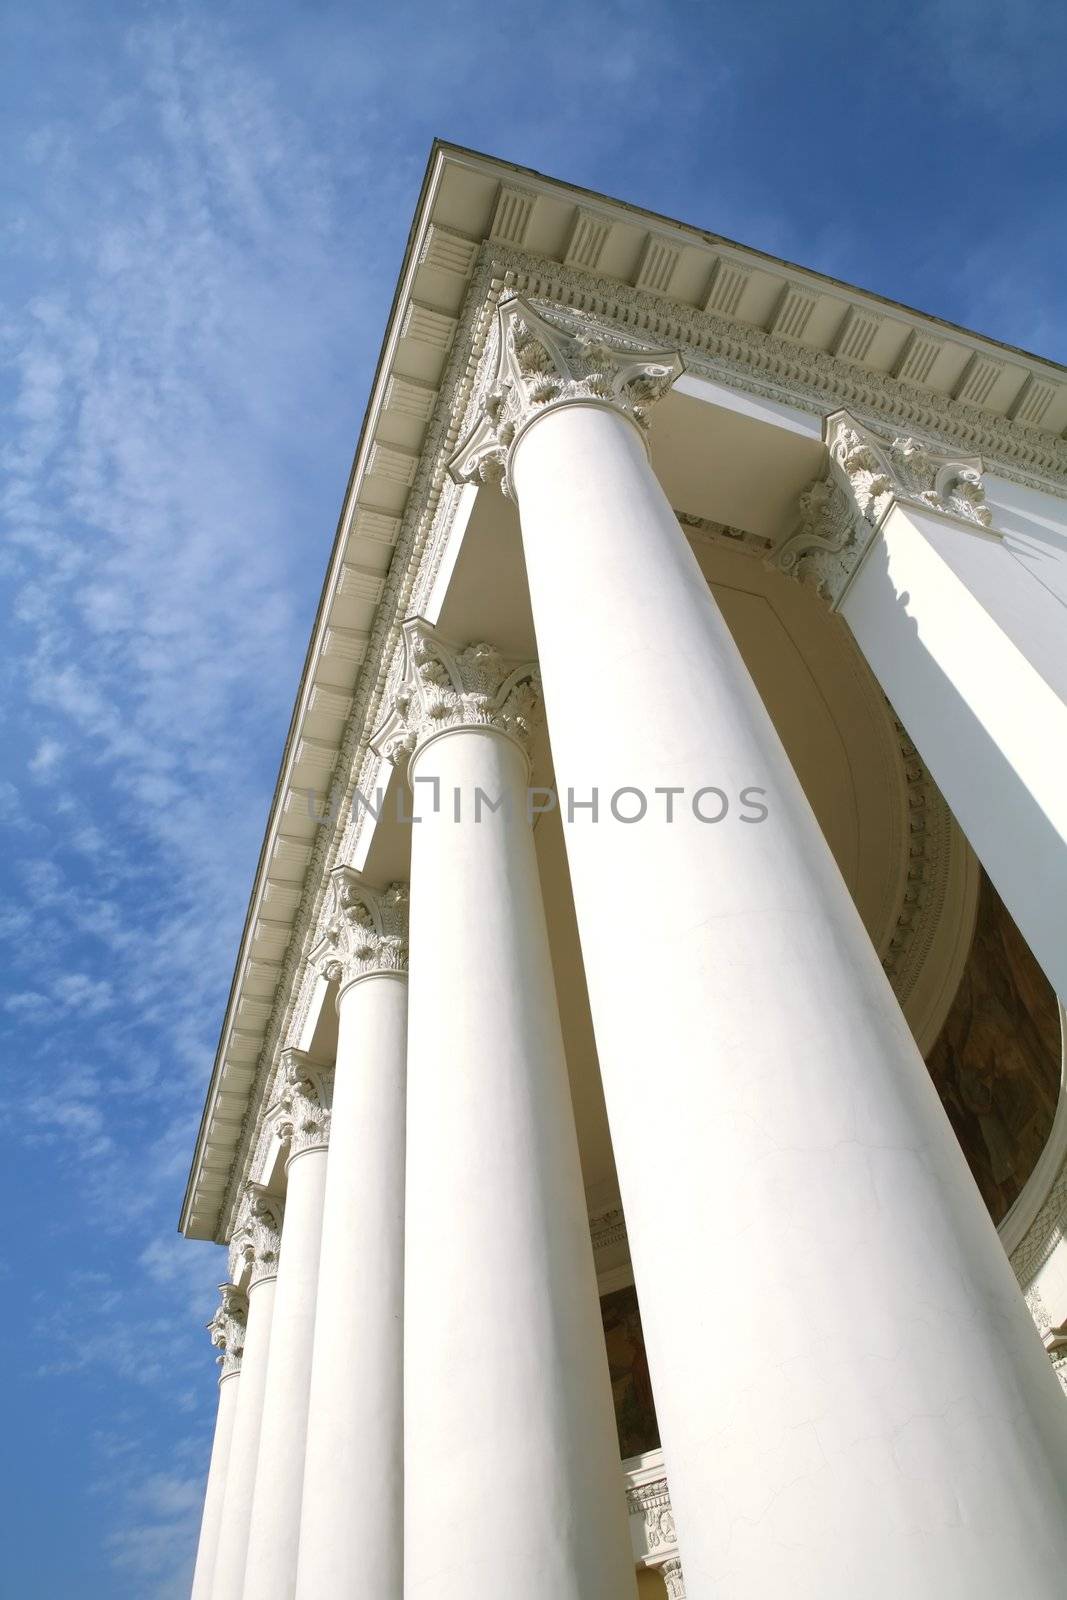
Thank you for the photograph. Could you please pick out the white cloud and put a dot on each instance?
(46, 758)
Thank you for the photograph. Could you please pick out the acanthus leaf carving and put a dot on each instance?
(227, 1329)
(868, 473)
(305, 1104)
(256, 1241)
(543, 363)
(673, 1579)
(364, 930)
(445, 686)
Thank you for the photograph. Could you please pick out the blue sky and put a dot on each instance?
(204, 212)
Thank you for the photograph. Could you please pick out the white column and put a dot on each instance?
(850, 1393)
(351, 1530)
(968, 645)
(227, 1329)
(513, 1483)
(253, 1250)
(274, 1531)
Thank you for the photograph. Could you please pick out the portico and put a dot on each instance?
(620, 904)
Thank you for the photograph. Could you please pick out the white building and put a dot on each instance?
(771, 572)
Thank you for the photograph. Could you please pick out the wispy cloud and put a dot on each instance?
(209, 212)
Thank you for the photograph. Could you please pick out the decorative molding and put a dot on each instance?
(514, 208)
(607, 1229)
(1034, 399)
(726, 287)
(227, 1329)
(701, 530)
(659, 258)
(365, 930)
(979, 378)
(445, 687)
(918, 356)
(305, 1105)
(542, 362)
(757, 362)
(655, 1540)
(793, 312)
(856, 334)
(869, 473)
(588, 236)
(926, 884)
(652, 1502)
(1052, 1337)
(1044, 1234)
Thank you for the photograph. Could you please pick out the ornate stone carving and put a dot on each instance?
(840, 514)
(257, 1237)
(306, 1101)
(541, 364)
(1038, 1310)
(227, 1329)
(652, 1501)
(365, 930)
(444, 686)
(648, 1497)
(926, 886)
(671, 1572)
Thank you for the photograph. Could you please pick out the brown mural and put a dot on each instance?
(996, 1063)
(635, 1411)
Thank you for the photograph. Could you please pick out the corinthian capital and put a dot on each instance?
(257, 1237)
(445, 686)
(539, 364)
(673, 1579)
(365, 930)
(306, 1101)
(868, 473)
(227, 1329)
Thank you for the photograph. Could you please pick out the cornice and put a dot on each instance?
(755, 361)
(769, 361)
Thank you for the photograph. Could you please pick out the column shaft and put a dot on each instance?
(513, 1483)
(962, 638)
(851, 1398)
(214, 1494)
(244, 1445)
(351, 1539)
(270, 1572)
